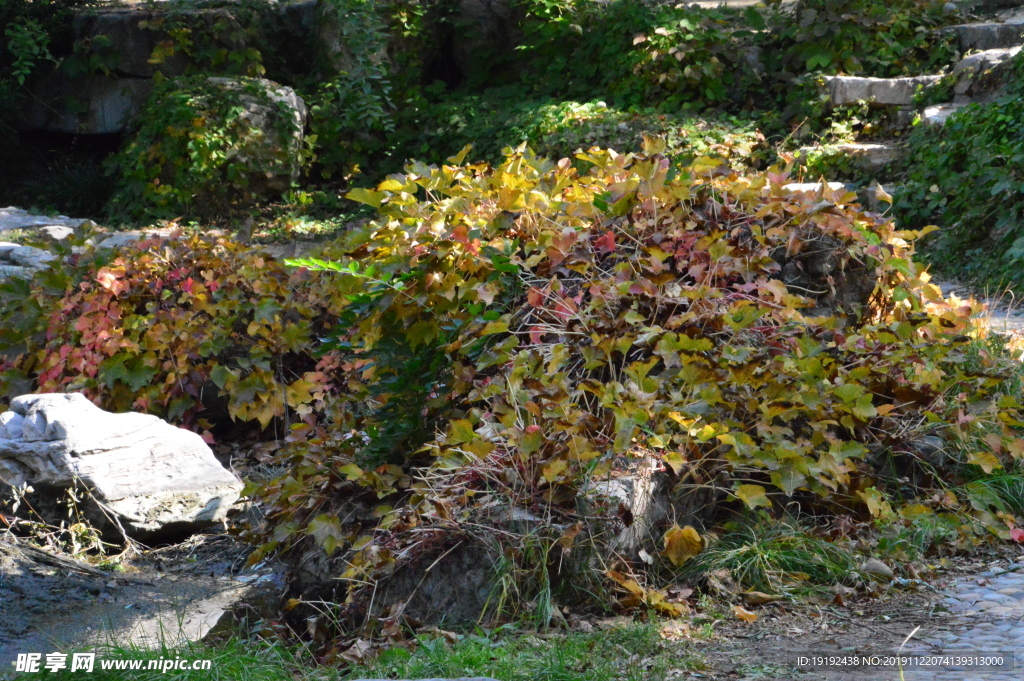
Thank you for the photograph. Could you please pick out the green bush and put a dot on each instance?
(550, 325)
(30, 33)
(966, 176)
(501, 118)
(636, 53)
(861, 37)
(199, 149)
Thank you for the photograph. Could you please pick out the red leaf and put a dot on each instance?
(535, 297)
(606, 243)
(536, 333)
(1017, 535)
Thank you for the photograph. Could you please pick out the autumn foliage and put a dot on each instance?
(770, 344)
(182, 328)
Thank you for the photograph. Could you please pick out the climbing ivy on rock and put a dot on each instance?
(207, 146)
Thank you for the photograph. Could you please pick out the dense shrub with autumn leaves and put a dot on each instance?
(197, 329)
(547, 328)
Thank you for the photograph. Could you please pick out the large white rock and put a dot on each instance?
(155, 478)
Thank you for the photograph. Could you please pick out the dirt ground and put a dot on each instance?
(770, 648)
(49, 604)
(179, 592)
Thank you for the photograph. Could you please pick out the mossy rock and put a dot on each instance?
(210, 145)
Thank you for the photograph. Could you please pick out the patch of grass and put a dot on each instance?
(633, 652)
(773, 556)
(76, 187)
(911, 539)
(1002, 491)
(234, 660)
(623, 654)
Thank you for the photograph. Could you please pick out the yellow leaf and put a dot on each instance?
(675, 460)
(462, 431)
(554, 469)
(628, 584)
(682, 544)
(876, 503)
(352, 471)
(494, 327)
(987, 460)
(753, 496)
(299, 392)
(367, 196)
(744, 614)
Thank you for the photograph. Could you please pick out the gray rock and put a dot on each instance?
(108, 104)
(982, 76)
(56, 232)
(930, 448)
(332, 53)
(461, 678)
(867, 157)
(940, 113)
(152, 477)
(126, 37)
(987, 36)
(29, 256)
(14, 271)
(122, 239)
(878, 91)
(812, 186)
(876, 568)
(12, 218)
(269, 134)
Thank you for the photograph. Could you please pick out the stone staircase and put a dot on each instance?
(989, 46)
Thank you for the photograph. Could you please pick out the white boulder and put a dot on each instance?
(154, 478)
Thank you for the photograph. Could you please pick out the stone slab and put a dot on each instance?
(878, 91)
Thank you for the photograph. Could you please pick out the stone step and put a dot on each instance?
(878, 91)
(981, 76)
(864, 156)
(937, 115)
(813, 186)
(987, 36)
(983, 6)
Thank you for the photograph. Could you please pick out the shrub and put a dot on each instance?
(733, 332)
(636, 53)
(169, 327)
(501, 118)
(32, 32)
(862, 37)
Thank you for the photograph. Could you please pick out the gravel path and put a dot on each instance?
(989, 621)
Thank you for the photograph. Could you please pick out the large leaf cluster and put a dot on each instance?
(862, 37)
(736, 332)
(183, 328)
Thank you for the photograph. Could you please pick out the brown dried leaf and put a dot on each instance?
(682, 544)
(744, 614)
